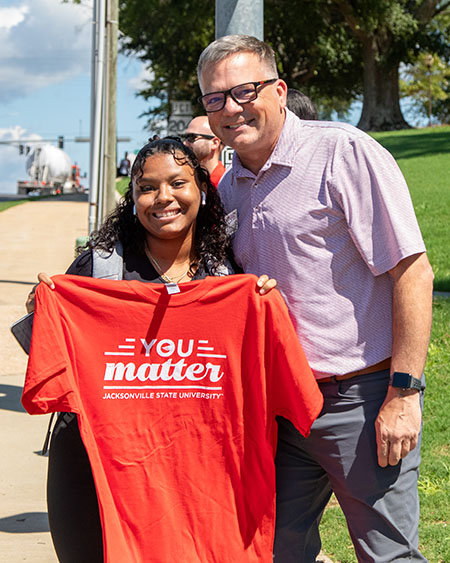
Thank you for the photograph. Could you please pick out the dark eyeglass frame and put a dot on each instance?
(192, 137)
(229, 92)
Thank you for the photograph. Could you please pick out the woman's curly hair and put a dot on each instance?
(211, 242)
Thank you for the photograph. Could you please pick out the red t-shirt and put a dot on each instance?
(176, 397)
(217, 174)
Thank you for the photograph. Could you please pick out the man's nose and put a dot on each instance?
(231, 106)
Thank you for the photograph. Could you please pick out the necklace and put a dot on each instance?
(164, 277)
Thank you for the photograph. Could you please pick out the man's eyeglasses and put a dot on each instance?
(192, 137)
(241, 94)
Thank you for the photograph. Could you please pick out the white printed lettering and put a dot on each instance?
(147, 346)
(165, 348)
(116, 371)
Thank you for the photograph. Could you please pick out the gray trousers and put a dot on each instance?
(381, 505)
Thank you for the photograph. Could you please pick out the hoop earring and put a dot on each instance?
(134, 210)
(203, 199)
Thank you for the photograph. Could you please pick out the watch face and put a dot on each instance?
(402, 380)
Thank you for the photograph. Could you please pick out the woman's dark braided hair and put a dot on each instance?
(211, 243)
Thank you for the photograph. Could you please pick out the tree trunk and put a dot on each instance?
(381, 103)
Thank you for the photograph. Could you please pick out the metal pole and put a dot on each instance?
(93, 193)
(96, 120)
(240, 17)
(111, 119)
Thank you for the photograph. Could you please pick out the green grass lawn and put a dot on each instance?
(424, 158)
(6, 204)
(122, 184)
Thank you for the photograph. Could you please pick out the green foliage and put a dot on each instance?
(426, 81)
(169, 37)
(319, 45)
(315, 52)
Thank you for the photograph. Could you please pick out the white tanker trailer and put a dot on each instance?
(50, 171)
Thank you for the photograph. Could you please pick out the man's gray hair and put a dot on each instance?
(230, 45)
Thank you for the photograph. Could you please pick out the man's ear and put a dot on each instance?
(282, 89)
(216, 143)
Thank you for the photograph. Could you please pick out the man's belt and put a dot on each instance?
(384, 364)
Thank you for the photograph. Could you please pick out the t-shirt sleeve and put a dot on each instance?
(292, 389)
(49, 373)
(377, 204)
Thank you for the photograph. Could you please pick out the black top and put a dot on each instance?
(135, 267)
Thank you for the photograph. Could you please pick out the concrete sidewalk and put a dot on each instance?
(35, 236)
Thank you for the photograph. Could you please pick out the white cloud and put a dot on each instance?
(12, 163)
(42, 42)
(140, 82)
(10, 17)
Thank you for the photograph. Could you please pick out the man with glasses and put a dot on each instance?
(206, 146)
(324, 209)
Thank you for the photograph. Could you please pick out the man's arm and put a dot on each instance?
(399, 420)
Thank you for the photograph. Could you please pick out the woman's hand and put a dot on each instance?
(44, 278)
(265, 284)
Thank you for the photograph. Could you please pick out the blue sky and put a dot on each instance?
(45, 50)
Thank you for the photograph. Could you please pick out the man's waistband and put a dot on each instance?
(384, 364)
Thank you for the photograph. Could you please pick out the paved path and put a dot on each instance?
(35, 236)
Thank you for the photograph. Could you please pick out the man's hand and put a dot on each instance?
(398, 425)
(42, 277)
(265, 284)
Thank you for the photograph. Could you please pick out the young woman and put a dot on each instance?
(169, 228)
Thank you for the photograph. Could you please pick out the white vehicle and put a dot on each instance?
(50, 171)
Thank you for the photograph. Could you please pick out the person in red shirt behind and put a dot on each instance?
(206, 146)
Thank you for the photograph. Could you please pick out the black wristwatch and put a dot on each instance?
(402, 380)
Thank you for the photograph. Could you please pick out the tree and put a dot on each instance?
(426, 81)
(334, 50)
(315, 52)
(389, 32)
(168, 37)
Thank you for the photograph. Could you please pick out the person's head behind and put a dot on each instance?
(199, 137)
(300, 104)
(169, 163)
(243, 96)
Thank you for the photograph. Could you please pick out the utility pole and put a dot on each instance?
(110, 165)
(240, 17)
(97, 88)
